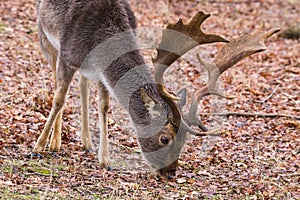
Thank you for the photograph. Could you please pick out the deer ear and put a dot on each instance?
(182, 95)
(154, 108)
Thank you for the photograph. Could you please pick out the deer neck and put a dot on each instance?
(125, 78)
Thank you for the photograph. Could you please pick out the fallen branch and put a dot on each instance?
(289, 175)
(233, 2)
(252, 114)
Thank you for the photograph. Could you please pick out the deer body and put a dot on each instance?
(97, 38)
(69, 30)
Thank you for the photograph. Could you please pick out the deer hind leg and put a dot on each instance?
(84, 95)
(51, 55)
(103, 154)
(64, 77)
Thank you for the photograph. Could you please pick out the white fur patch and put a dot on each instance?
(53, 40)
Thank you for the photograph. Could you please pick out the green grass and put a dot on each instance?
(2, 26)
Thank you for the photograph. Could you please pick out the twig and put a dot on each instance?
(233, 2)
(289, 175)
(268, 97)
(252, 114)
(121, 145)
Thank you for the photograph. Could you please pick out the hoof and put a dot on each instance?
(35, 155)
(53, 154)
(106, 166)
(88, 150)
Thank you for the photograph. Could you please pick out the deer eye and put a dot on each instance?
(164, 140)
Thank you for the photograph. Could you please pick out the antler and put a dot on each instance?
(177, 39)
(228, 55)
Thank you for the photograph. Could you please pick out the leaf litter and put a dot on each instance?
(257, 158)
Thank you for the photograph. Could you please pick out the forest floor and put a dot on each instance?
(258, 157)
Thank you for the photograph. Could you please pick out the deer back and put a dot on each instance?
(75, 27)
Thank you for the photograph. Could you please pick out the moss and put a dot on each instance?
(2, 26)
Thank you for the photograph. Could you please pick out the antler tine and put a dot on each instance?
(214, 132)
(241, 48)
(187, 36)
(228, 55)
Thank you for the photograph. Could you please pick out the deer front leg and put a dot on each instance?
(84, 95)
(103, 154)
(55, 140)
(64, 77)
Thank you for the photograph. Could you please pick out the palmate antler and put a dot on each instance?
(230, 54)
(178, 39)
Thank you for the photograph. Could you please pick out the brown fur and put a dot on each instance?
(69, 30)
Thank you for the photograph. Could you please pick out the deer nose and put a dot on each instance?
(171, 174)
(167, 175)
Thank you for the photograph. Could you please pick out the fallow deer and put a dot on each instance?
(71, 33)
